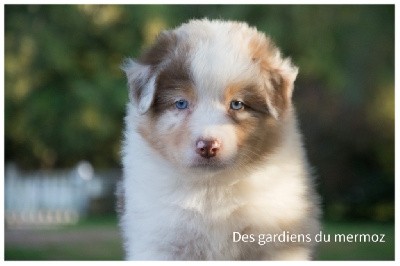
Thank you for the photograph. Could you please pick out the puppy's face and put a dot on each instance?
(211, 94)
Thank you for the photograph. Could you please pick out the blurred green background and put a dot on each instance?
(65, 99)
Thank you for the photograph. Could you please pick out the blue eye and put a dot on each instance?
(236, 105)
(182, 104)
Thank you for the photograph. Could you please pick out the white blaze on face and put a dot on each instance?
(218, 62)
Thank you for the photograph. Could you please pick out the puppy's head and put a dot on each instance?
(211, 94)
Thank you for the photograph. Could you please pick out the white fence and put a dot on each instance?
(51, 197)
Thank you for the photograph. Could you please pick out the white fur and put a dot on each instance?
(174, 211)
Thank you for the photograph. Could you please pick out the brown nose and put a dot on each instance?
(207, 148)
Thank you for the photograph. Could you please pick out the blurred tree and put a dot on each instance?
(65, 94)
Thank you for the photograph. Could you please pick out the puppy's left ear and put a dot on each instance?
(141, 84)
(281, 78)
(278, 74)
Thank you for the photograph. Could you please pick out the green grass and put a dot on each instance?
(98, 239)
(357, 251)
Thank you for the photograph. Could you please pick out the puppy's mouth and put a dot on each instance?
(210, 164)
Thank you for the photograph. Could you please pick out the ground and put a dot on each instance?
(99, 239)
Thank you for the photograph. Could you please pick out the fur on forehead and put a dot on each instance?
(215, 53)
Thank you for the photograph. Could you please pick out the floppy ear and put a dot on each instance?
(281, 78)
(142, 73)
(141, 84)
(278, 74)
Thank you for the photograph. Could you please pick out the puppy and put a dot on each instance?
(212, 157)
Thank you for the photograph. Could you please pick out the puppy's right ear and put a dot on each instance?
(141, 84)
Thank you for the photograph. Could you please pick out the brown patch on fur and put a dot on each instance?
(258, 133)
(174, 78)
(166, 143)
(267, 55)
(174, 81)
(164, 45)
(252, 95)
(261, 141)
(148, 132)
